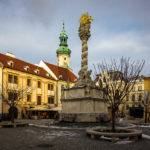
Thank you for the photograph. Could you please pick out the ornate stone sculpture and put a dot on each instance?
(84, 34)
(83, 102)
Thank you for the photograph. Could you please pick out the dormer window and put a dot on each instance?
(26, 68)
(48, 75)
(10, 63)
(60, 76)
(37, 71)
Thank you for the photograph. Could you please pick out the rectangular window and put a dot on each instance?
(28, 82)
(39, 100)
(15, 79)
(12, 96)
(28, 98)
(10, 78)
(52, 87)
(49, 87)
(139, 88)
(133, 97)
(127, 107)
(51, 100)
(140, 97)
(39, 84)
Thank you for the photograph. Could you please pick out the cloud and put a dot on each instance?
(27, 43)
(30, 29)
(128, 44)
(42, 11)
(122, 42)
(30, 11)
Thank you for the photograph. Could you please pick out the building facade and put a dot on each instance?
(133, 103)
(43, 81)
(147, 102)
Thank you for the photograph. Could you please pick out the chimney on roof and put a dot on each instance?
(10, 54)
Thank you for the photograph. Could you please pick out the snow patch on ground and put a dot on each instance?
(59, 133)
(118, 140)
(108, 138)
(124, 142)
(146, 136)
(52, 133)
(143, 126)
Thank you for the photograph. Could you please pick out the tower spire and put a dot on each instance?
(63, 25)
(63, 37)
(63, 52)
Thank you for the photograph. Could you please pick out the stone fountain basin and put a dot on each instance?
(120, 133)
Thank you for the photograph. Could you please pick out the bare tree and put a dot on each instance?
(12, 95)
(117, 79)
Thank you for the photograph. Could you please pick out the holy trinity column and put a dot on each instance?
(84, 34)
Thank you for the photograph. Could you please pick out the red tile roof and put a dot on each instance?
(66, 74)
(19, 65)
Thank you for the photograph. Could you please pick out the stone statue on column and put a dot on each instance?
(84, 34)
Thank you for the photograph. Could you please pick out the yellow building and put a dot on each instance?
(134, 100)
(44, 80)
(147, 88)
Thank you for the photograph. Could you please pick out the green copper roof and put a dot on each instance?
(63, 49)
(63, 34)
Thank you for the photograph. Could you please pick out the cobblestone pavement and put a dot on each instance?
(31, 138)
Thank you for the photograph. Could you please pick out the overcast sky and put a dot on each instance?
(30, 29)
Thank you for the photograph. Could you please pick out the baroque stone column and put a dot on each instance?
(84, 34)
